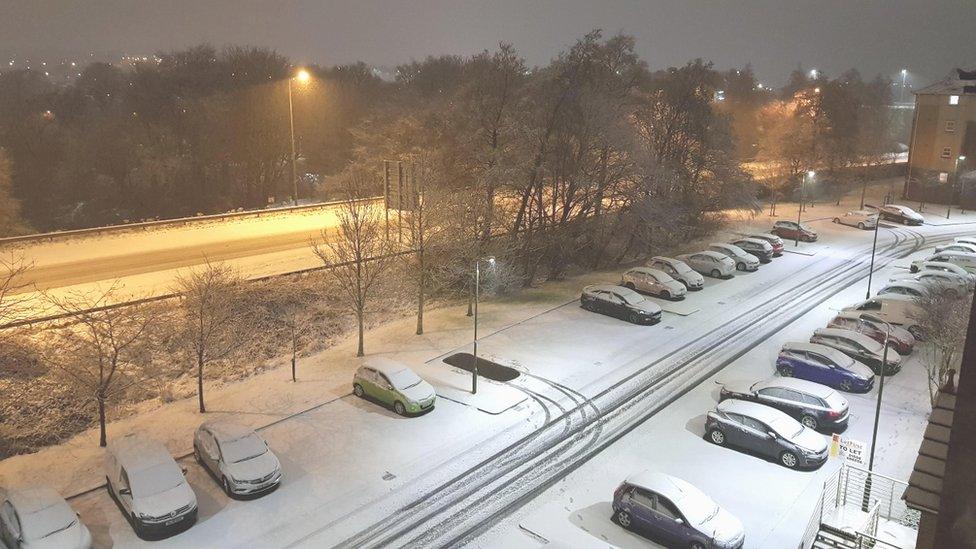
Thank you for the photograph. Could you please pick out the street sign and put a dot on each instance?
(853, 451)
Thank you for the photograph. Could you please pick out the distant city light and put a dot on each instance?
(813, 73)
(816, 90)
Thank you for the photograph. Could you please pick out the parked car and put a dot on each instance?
(774, 241)
(814, 405)
(942, 282)
(674, 512)
(653, 281)
(39, 517)
(908, 288)
(620, 302)
(943, 266)
(860, 347)
(963, 259)
(901, 214)
(862, 219)
(710, 263)
(760, 248)
(394, 384)
(898, 310)
(744, 261)
(898, 338)
(678, 270)
(766, 431)
(965, 239)
(149, 486)
(791, 231)
(824, 365)
(957, 247)
(237, 458)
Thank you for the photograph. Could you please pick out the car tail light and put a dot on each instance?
(834, 415)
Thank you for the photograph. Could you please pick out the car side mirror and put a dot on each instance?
(125, 492)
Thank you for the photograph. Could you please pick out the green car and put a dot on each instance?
(393, 384)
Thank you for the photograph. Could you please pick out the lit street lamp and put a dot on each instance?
(477, 289)
(904, 76)
(799, 209)
(302, 76)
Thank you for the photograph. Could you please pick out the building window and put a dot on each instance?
(946, 153)
(950, 126)
(953, 99)
(943, 177)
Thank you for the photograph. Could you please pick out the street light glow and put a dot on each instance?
(302, 76)
(813, 73)
(811, 173)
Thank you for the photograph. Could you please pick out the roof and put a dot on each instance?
(227, 430)
(841, 332)
(925, 484)
(801, 385)
(663, 259)
(814, 347)
(908, 283)
(659, 274)
(752, 240)
(136, 451)
(958, 82)
(711, 253)
(33, 499)
(759, 411)
(385, 365)
(765, 236)
(670, 487)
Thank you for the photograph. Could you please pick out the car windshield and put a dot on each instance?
(698, 508)
(47, 521)
(404, 379)
(631, 298)
(806, 228)
(786, 426)
(156, 479)
(243, 449)
(682, 267)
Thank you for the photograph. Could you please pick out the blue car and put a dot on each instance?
(669, 510)
(824, 365)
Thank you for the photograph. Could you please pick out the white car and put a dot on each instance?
(965, 239)
(964, 247)
(898, 310)
(860, 347)
(908, 288)
(149, 486)
(39, 518)
(652, 281)
(965, 260)
(901, 214)
(237, 457)
(744, 261)
(862, 219)
(678, 270)
(710, 263)
(945, 282)
(943, 267)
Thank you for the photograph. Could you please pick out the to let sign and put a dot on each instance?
(853, 451)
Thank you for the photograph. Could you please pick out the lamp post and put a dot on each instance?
(874, 247)
(477, 289)
(877, 409)
(303, 77)
(962, 183)
(904, 76)
(799, 209)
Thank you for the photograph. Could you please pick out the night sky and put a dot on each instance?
(927, 37)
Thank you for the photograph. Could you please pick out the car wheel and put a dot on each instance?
(399, 408)
(785, 370)
(809, 421)
(634, 319)
(717, 437)
(789, 460)
(630, 286)
(846, 385)
(716, 273)
(226, 487)
(666, 294)
(696, 545)
(357, 389)
(685, 284)
(836, 220)
(953, 294)
(860, 226)
(740, 266)
(623, 519)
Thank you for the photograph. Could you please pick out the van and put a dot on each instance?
(899, 310)
(149, 486)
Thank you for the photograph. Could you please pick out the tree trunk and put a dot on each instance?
(359, 319)
(294, 352)
(203, 408)
(420, 294)
(102, 439)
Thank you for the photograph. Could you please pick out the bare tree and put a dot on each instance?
(106, 350)
(358, 253)
(212, 328)
(944, 320)
(291, 309)
(12, 285)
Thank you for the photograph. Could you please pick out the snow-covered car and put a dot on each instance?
(943, 282)
(814, 405)
(653, 281)
(620, 302)
(901, 214)
(898, 338)
(767, 431)
(963, 259)
(862, 219)
(760, 248)
(237, 458)
(710, 263)
(744, 261)
(860, 347)
(824, 365)
(774, 241)
(790, 230)
(957, 247)
(965, 239)
(38, 517)
(898, 310)
(945, 267)
(678, 270)
(394, 384)
(149, 486)
(909, 288)
(675, 512)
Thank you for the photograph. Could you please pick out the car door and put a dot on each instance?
(385, 388)
(652, 284)
(759, 438)
(9, 525)
(734, 429)
(211, 452)
(669, 520)
(617, 307)
(778, 398)
(817, 367)
(641, 504)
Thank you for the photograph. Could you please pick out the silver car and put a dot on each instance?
(910, 288)
(964, 247)
(678, 270)
(652, 281)
(950, 283)
(237, 457)
(862, 219)
(39, 517)
(965, 260)
(744, 261)
(713, 264)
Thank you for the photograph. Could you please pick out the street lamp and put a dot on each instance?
(904, 76)
(799, 209)
(961, 182)
(874, 246)
(877, 409)
(477, 289)
(303, 77)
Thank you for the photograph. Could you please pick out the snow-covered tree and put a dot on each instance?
(944, 322)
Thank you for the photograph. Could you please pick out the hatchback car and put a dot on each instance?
(965, 239)
(39, 517)
(744, 261)
(674, 512)
(678, 270)
(963, 260)
(862, 219)
(620, 302)
(814, 405)
(942, 282)
(791, 231)
(652, 281)
(824, 365)
(765, 431)
(710, 263)
(899, 339)
(236, 457)
(393, 384)
(150, 488)
(957, 247)
(910, 288)
(898, 310)
(774, 241)
(901, 214)
(860, 347)
(762, 250)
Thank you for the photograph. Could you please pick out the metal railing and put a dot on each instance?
(863, 488)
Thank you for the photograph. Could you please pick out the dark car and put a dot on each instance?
(824, 365)
(815, 406)
(760, 248)
(765, 431)
(859, 347)
(899, 338)
(774, 241)
(669, 510)
(901, 214)
(791, 231)
(621, 302)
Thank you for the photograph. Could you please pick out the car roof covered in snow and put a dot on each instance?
(227, 430)
(849, 334)
(657, 273)
(668, 486)
(385, 365)
(801, 385)
(761, 412)
(668, 260)
(765, 236)
(730, 247)
(752, 240)
(816, 348)
(29, 500)
(908, 283)
(711, 253)
(137, 451)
